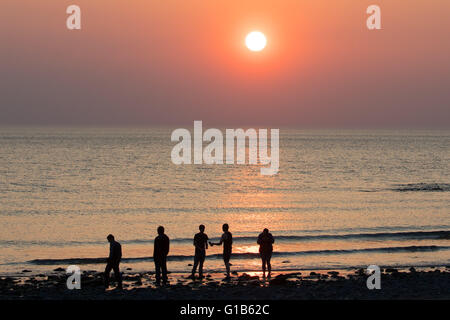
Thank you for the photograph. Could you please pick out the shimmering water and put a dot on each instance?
(341, 199)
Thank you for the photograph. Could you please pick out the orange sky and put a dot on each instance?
(170, 62)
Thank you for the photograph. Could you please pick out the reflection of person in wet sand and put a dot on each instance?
(115, 255)
(201, 244)
(265, 241)
(227, 240)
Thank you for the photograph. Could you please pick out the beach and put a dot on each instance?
(342, 200)
(405, 283)
(161, 140)
(344, 207)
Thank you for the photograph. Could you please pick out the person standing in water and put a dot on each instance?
(201, 244)
(227, 241)
(265, 241)
(160, 252)
(115, 255)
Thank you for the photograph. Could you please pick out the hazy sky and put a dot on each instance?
(175, 61)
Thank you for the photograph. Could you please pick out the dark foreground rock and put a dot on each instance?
(290, 286)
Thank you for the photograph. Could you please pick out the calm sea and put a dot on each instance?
(342, 199)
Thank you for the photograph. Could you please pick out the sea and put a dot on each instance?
(342, 199)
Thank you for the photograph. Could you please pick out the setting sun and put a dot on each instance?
(255, 41)
(225, 156)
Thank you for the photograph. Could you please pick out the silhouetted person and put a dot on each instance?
(201, 244)
(227, 240)
(160, 252)
(265, 241)
(115, 255)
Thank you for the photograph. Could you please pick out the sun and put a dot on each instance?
(255, 41)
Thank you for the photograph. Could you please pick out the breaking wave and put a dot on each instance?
(424, 187)
(82, 261)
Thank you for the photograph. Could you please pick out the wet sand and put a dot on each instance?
(409, 283)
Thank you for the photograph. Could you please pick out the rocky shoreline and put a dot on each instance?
(431, 283)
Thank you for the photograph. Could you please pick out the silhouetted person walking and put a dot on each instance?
(115, 255)
(201, 244)
(160, 252)
(265, 241)
(227, 241)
